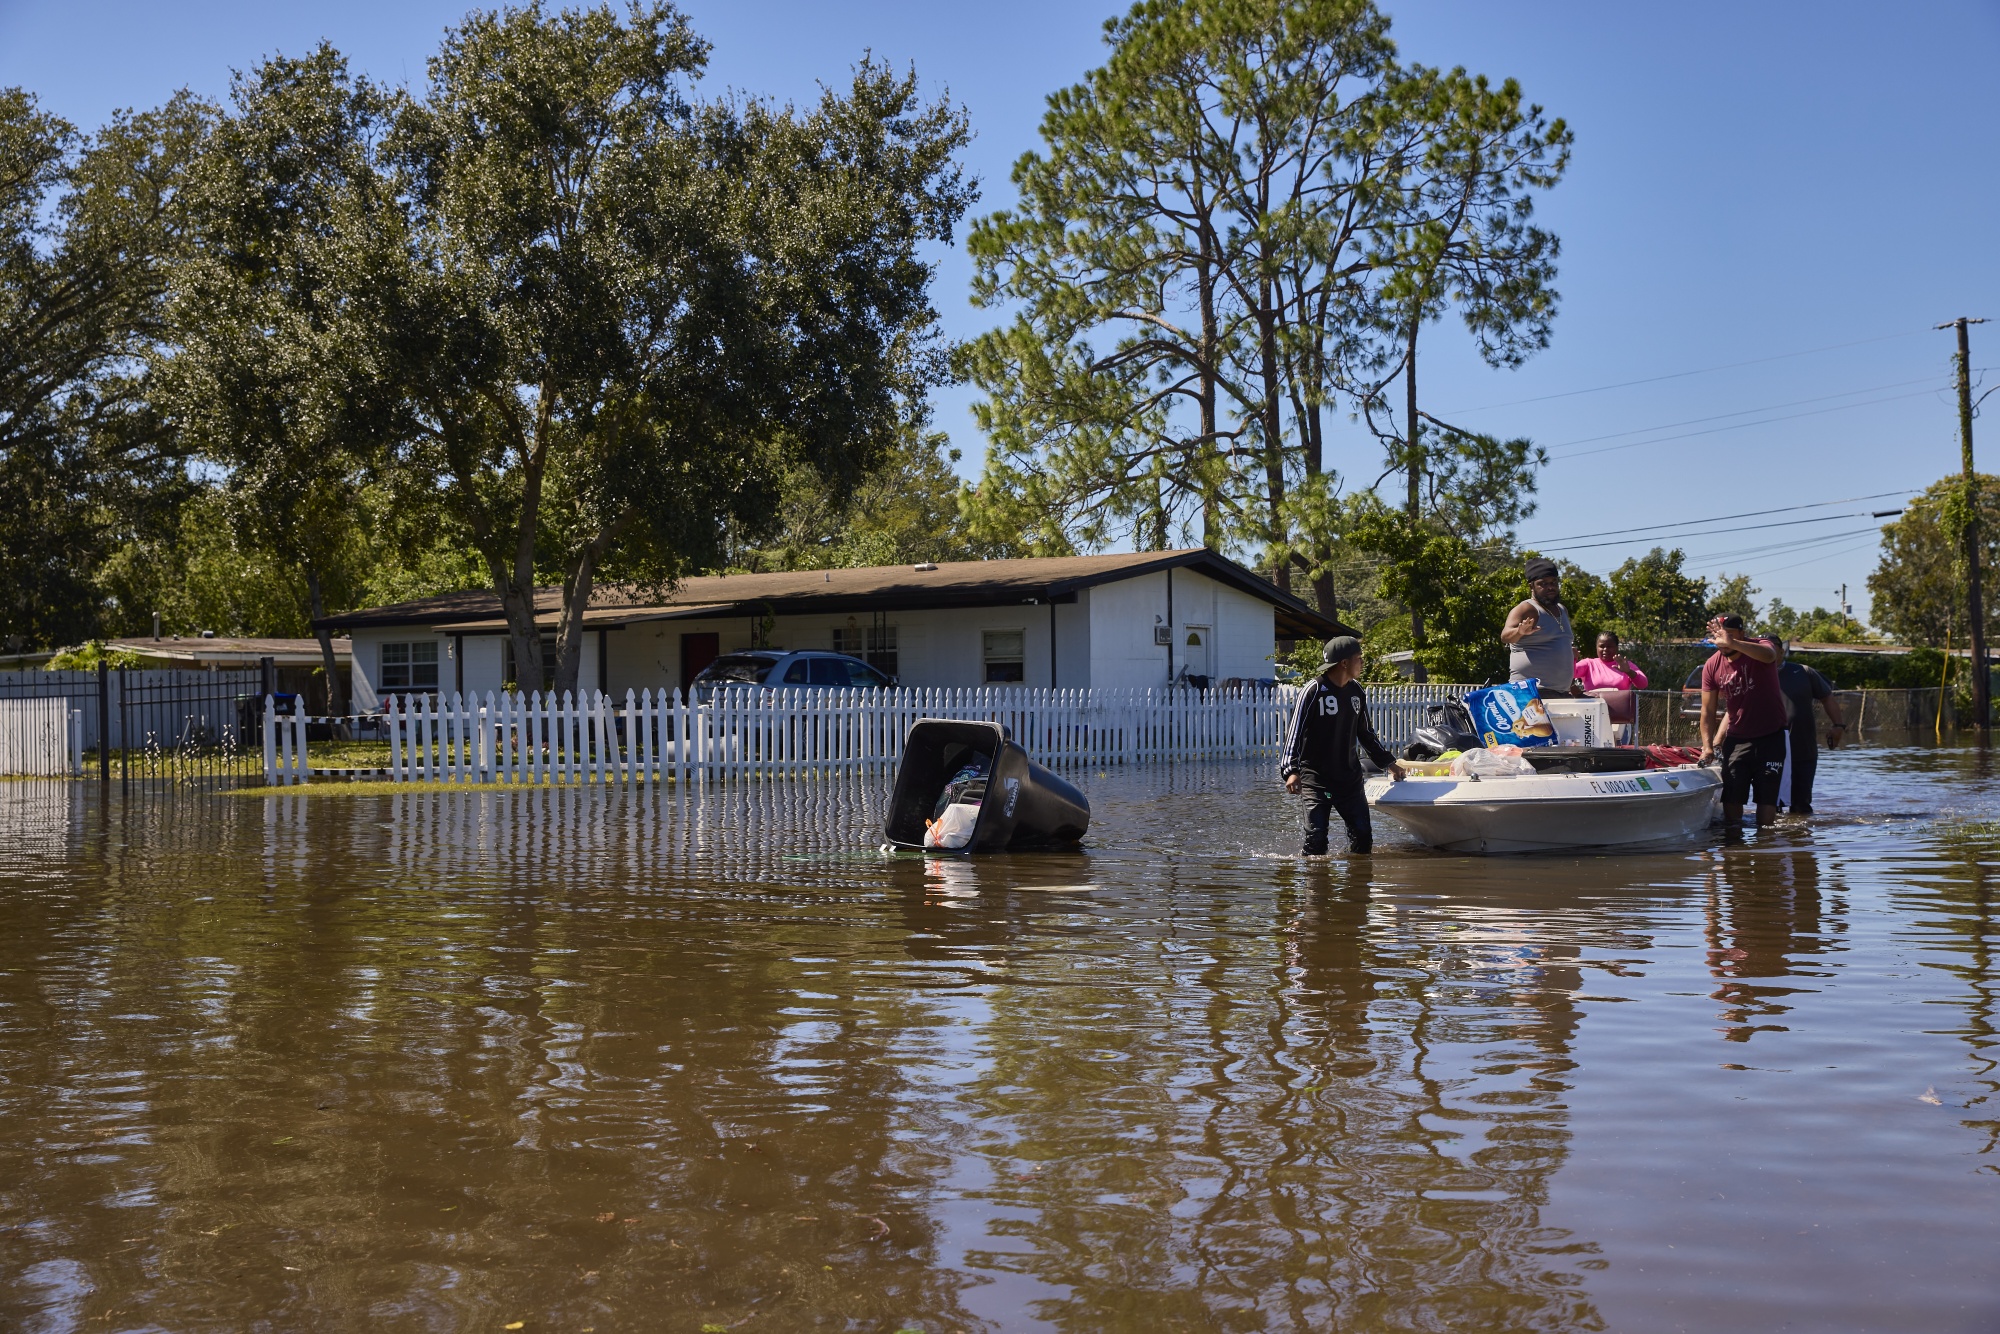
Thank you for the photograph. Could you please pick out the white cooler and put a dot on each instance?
(1580, 722)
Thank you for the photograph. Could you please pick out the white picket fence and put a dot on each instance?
(652, 736)
(40, 737)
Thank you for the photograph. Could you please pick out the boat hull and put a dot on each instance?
(1551, 812)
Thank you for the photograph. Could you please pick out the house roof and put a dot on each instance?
(233, 652)
(983, 583)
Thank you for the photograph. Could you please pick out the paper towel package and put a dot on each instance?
(1511, 715)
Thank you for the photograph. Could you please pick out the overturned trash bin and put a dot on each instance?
(964, 787)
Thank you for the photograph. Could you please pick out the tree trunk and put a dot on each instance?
(336, 691)
(1211, 345)
(1416, 464)
(1325, 596)
(514, 572)
(1274, 450)
(1415, 447)
(527, 640)
(1312, 439)
(577, 582)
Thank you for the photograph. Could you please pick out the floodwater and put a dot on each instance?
(610, 1061)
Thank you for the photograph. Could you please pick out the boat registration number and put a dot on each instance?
(1620, 785)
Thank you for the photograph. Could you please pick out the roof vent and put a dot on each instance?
(208, 634)
(925, 565)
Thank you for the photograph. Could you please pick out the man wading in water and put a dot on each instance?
(1540, 644)
(1330, 721)
(1802, 686)
(1742, 675)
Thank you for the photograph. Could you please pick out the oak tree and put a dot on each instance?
(624, 316)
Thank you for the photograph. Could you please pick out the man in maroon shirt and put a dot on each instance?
(1742, 674)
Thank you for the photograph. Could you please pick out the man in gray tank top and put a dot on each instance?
(1540, 643)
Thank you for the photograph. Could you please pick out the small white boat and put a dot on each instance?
(1550, 811)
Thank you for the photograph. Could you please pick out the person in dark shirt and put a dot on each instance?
(1802, 685)
(1741, 677)
(1331, 720)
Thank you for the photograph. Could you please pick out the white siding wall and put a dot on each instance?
(644, 657)
(1245, 634)
(485, 665)
(1123, 616)
(1073, 642)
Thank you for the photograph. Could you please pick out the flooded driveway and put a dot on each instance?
(603, 1061)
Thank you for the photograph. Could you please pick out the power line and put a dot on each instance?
(1773, 548)
(1681, 375)
(1747, 514)
(1789, 544)
(1718, 532)
(1745, 412)
(1812, 559)
(1717, 430)
(1633, 536)
(1545, 545)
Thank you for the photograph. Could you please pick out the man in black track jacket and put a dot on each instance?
(1330, 722)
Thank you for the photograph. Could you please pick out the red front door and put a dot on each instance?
(697, 651)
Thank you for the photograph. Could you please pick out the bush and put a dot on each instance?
(86, 657)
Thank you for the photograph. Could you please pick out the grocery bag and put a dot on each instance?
(954, 826)
(1511, 715)
(1499, 762)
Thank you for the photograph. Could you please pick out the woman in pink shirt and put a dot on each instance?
(1609, 671)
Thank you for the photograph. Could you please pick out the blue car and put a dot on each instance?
(775, 668)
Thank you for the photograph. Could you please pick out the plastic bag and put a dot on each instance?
(1511, 714)
(1491, 762)
(968, 784)
(953, 828)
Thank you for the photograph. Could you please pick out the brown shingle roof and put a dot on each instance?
(875, 588)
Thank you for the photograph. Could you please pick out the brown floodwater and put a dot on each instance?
(590, 1060)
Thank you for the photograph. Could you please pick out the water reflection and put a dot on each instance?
(1767, 924)
(1959, 889)
(706, 1057)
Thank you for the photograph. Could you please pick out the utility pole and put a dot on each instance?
(1975, 608)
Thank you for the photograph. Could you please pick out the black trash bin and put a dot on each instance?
(1021, 804)
(250, 717)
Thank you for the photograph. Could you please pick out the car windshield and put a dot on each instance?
(736, 668)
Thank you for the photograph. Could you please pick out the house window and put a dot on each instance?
(1005, 661)
(874, 645)
(410, 667)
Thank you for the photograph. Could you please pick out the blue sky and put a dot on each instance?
(1805, 188)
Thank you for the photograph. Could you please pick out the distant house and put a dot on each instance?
(1139, 619)
(297, 663)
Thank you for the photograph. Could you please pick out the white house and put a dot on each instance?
(1137, 619)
